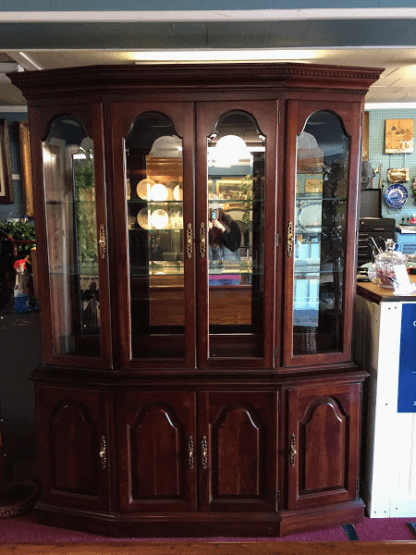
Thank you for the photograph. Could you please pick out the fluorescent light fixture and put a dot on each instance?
(189, 56)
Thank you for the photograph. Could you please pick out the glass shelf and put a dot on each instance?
(302, 197)
(154, 202)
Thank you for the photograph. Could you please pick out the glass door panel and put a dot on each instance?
(70, 190)
(236, 186)
(154, 196)
(320, 235)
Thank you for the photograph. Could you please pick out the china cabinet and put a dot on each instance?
(196, 244)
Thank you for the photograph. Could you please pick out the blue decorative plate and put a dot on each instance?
(396, 195)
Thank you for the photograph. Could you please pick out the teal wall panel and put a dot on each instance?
(220, 34)
(377, 119)
(209, 5)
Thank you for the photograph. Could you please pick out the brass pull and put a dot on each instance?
(102, 242)
(290, 239)
(204, 452)
(190, 452)
(189, 241)
(202, 240)
(103, 453)
(293, 451)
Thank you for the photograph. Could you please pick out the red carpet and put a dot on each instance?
(26, 530)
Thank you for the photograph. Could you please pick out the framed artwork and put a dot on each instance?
(26, 167)
(399, 136)
(6, 179)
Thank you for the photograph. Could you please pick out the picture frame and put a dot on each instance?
(6, 178)
(399, 135)
(27, 177)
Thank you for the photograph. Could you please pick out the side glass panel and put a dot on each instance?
(320, 220)
(236, 153)
(68, 173)
(154, 174)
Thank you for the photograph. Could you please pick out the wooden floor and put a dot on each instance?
(214, 548)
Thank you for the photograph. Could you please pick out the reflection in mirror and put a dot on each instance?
(320, 219)
(68, 173)
(154, 196)
(236, 154)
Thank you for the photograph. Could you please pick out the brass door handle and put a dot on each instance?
(189, 240)
(290, 238)
(102, 242)
(293, 451)
(202, 240)
(190, 452)
(103, 453)
(204, 452)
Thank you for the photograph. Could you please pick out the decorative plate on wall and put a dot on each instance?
(396, 195)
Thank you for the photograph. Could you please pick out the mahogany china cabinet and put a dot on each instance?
(196, 230)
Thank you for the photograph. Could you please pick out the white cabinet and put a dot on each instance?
(389, 481)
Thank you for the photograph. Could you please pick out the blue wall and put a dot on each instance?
(377, 156)
(17, 209)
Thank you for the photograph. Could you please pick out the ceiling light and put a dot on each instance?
(229, 151)
(189, 56)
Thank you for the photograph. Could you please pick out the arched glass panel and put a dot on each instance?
(68, 173)
(154, 173)
(320, 227)
(236, 154)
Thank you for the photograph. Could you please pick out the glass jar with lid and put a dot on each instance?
(386, 264)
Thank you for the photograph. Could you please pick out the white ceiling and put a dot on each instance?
(396, 85)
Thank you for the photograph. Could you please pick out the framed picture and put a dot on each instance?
(26, 167)
(399, 136)
(6, 179)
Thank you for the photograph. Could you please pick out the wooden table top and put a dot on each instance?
(377, 294)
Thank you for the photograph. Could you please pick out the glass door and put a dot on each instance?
(73, 243)
(154, 189)
(236, 161)
(321, 232)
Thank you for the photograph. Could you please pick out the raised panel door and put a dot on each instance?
(156, 444)
(237, 451)
(73, 440)
(323, 444)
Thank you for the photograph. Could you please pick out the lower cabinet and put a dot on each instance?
(156, 445)
(73, 450)
(167, 464)
(323, 444)
(137, 460)
(237, 459)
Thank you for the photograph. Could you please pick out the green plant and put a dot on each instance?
(246, 189)
(245, 267)
(85, 209)
(19, 231)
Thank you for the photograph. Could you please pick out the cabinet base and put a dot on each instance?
(210, 525)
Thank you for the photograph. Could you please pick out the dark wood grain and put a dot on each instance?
(154, 397)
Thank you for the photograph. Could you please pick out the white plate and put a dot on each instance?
(143, 188)
(159, 219)
(178, 193)
(143, 218)
(310, 216)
